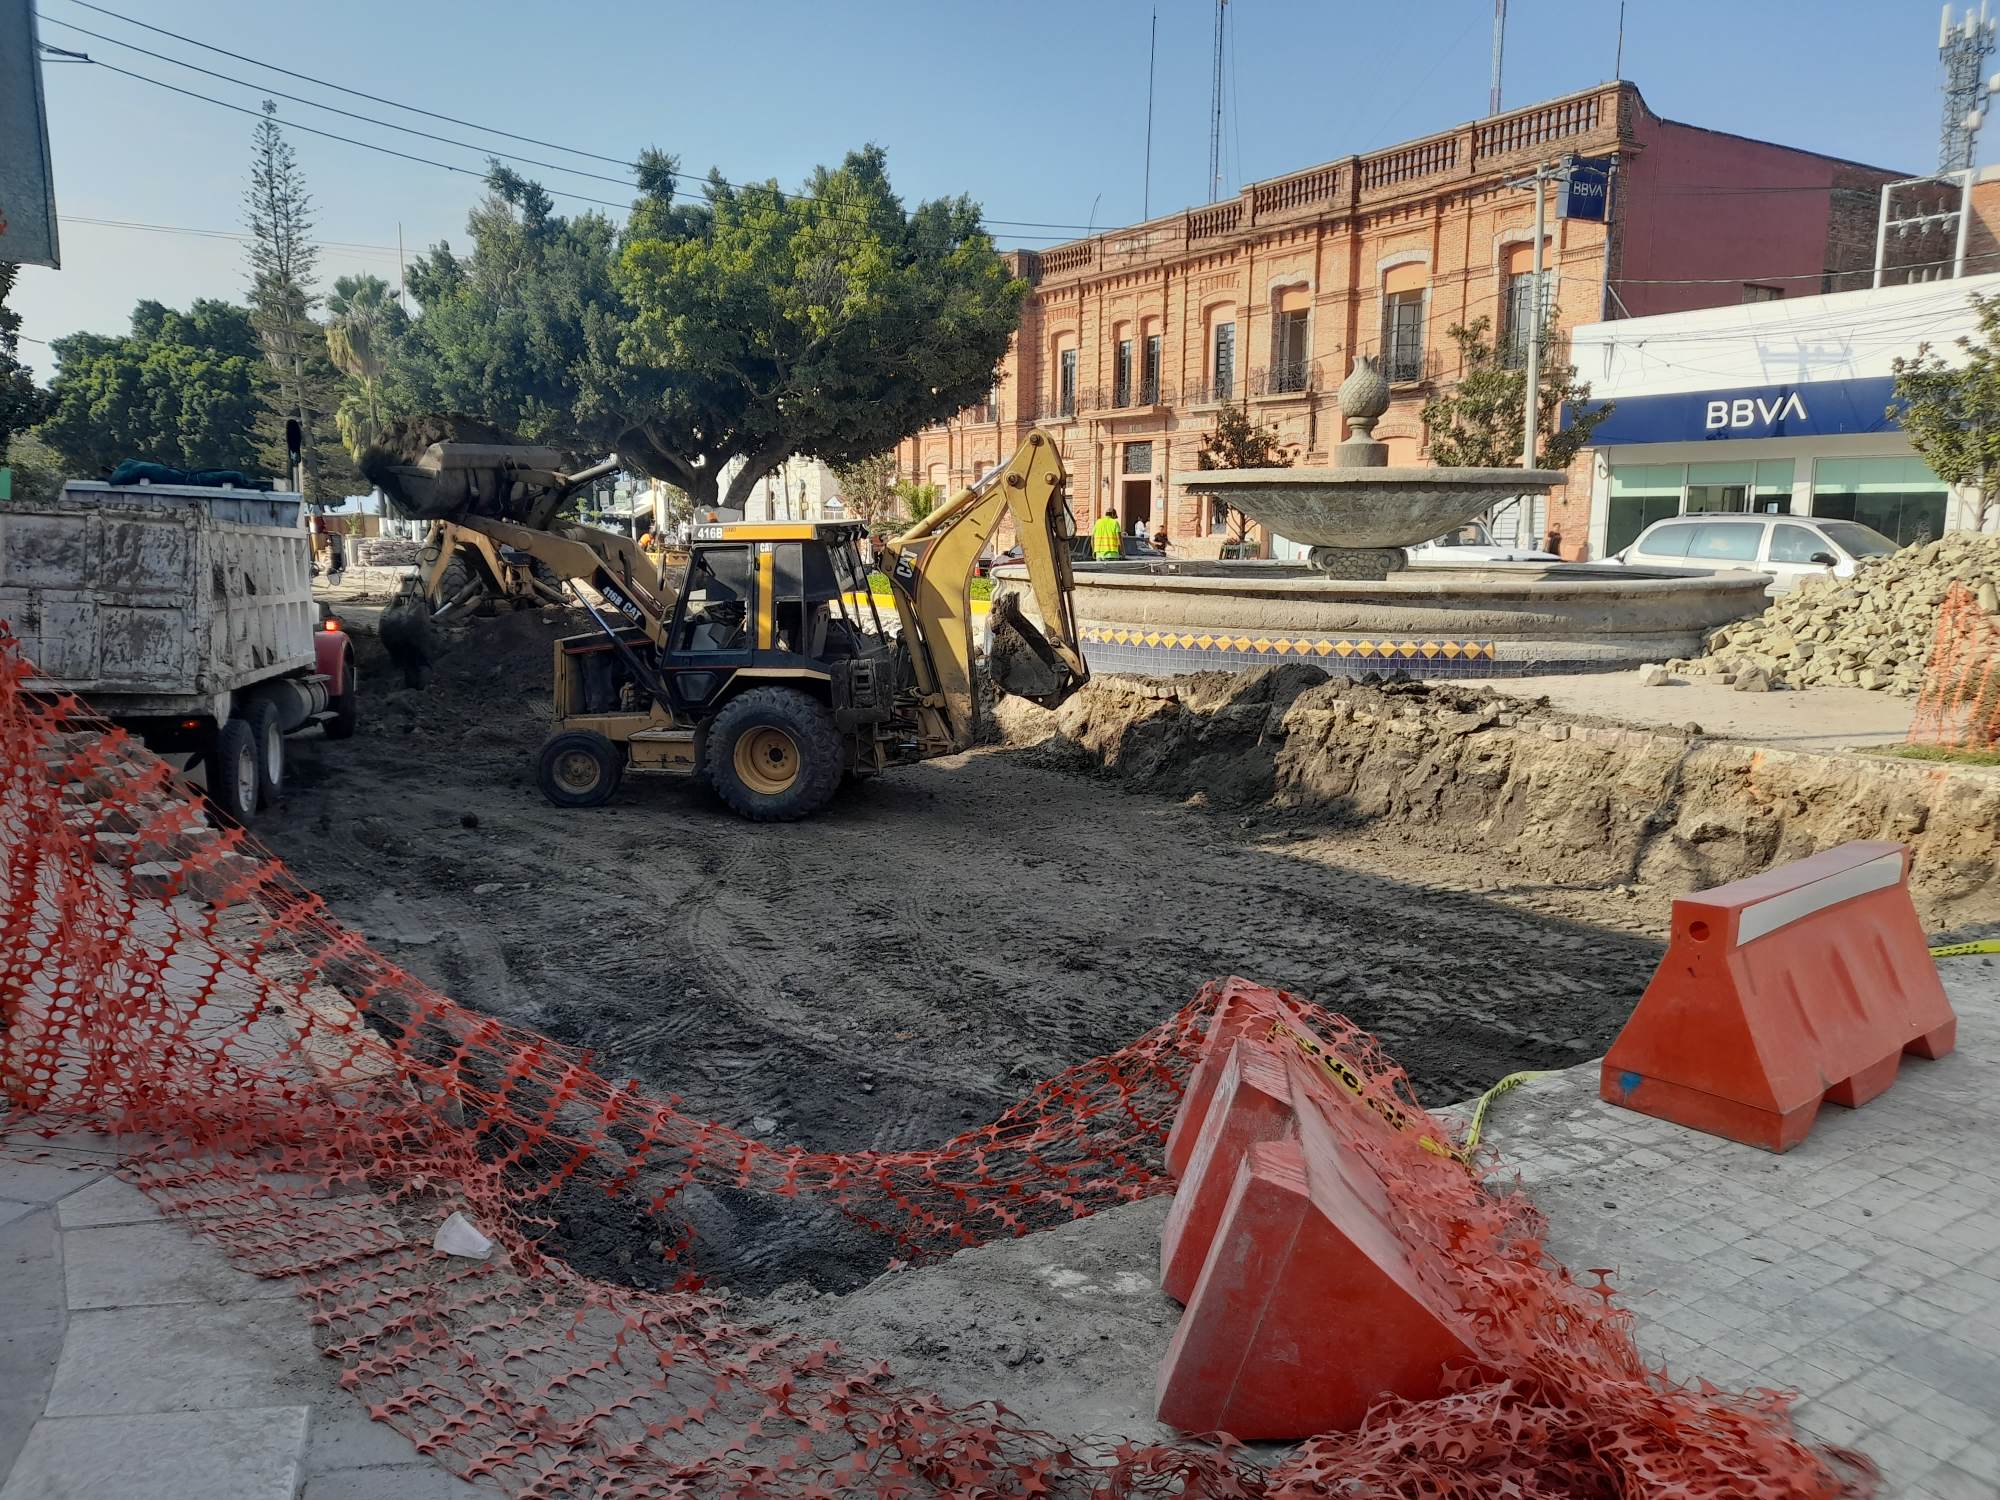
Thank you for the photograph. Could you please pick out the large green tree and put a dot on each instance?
(301, 383)
(180, 389)
(21, 402)
(712, 339)
(1951, 409)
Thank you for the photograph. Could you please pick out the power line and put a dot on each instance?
(629, 166)
(216, 234)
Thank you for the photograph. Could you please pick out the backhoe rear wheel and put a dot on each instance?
(773, 755)
(580, 768)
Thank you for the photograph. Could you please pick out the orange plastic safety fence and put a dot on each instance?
(317, 1111)
(1958, 707)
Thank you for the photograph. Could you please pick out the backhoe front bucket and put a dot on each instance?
(1022, 662)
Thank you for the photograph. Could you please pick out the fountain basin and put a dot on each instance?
(1496, 621)
(1367, 507)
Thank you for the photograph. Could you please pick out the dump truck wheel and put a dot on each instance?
(773, 755)
(264, 729)
(234, 778)
(346, 715)
(580, 768)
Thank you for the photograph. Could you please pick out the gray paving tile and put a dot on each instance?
(217, 1455)
(10, 1211)
(426, 1483)
(187, 1357)
(344, 1436)
(47, 1178)
(139, 1265)
(109, 1200)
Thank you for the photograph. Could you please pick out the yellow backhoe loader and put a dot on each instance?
(768, 672)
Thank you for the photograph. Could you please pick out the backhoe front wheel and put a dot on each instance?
(580, 768)
(773, 755)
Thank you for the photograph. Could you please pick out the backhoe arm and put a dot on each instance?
(931, 577)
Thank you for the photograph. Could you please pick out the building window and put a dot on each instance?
(1752, 292)
(1644, 493)
(1403, 336)
(1719, 488)
(1121, 377)
(1640, 495)
(1225, 361)
(1288, 351)
(1899, 497)
(1138, 458)
(1149, 372)
(1523, 315)
(1066, 383)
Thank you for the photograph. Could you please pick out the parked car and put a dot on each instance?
(1471, 543)
(1786, 547)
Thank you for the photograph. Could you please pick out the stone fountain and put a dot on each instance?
(1357, 516)
(1357, 609)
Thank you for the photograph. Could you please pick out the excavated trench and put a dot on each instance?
(1474, 889)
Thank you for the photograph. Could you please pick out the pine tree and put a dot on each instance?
(300, 383)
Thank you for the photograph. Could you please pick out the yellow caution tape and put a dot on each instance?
(1965, 950)
(1511, 1081)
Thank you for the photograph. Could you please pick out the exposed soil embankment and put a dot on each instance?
(1557, 796)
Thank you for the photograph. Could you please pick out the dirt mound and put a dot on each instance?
(1557, 796)
(487, 683)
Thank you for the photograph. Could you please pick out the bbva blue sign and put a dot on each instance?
(1809, 409)
(1586, 193)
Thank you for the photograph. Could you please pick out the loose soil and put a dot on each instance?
(903, 965)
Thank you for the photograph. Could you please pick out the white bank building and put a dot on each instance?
(1778, 407)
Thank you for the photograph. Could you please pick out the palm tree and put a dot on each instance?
(364, 320)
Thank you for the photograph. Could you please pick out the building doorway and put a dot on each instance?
(1135, 506)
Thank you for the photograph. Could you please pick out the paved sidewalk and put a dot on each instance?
(137, 1364)
(1817, 718)
(1861, 1269)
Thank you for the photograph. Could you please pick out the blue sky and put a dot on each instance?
(1038, 111)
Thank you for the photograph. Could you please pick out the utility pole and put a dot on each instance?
(1215, 111)
(1499, 47)
(1538, 314)
(1963, 47)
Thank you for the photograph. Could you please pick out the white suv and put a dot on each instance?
(1786, 547)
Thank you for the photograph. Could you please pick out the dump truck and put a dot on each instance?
(185, 614)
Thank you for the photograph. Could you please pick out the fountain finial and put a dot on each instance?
(1363, 397)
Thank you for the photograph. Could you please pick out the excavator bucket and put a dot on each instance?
(1021, 661)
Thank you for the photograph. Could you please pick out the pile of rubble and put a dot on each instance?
(1869, 631)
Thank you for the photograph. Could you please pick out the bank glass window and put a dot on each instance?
(1149, 372)
(1640, 495)
(1403, 336)
(1719, 487)
(1771, 493)
(1225, 361)
(1066, 383)
(1899, 497)
(1121, 378)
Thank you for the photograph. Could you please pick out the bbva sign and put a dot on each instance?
(1753, 411)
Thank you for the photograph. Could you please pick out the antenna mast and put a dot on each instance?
(1963, 48)
(1215, 112)
(1499, 47)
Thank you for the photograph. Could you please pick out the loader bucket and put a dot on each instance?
(1021, 661)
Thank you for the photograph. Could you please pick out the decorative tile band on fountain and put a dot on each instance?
(1169, 653)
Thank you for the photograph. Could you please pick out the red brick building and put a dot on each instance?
(1133, 338)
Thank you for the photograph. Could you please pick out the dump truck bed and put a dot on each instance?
(158, 599)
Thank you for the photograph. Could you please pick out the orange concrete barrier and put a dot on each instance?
(1309, 1308)
(1251, 1104)
(1805, 983)
(1245, 1009)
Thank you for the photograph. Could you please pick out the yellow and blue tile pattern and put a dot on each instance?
(1123, 649)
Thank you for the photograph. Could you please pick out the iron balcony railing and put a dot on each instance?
(1293, 377)
(1411, 364)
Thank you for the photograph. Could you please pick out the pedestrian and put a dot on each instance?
(1160, 540)
(878, 552)
(1105, 538)
(1553, 542)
